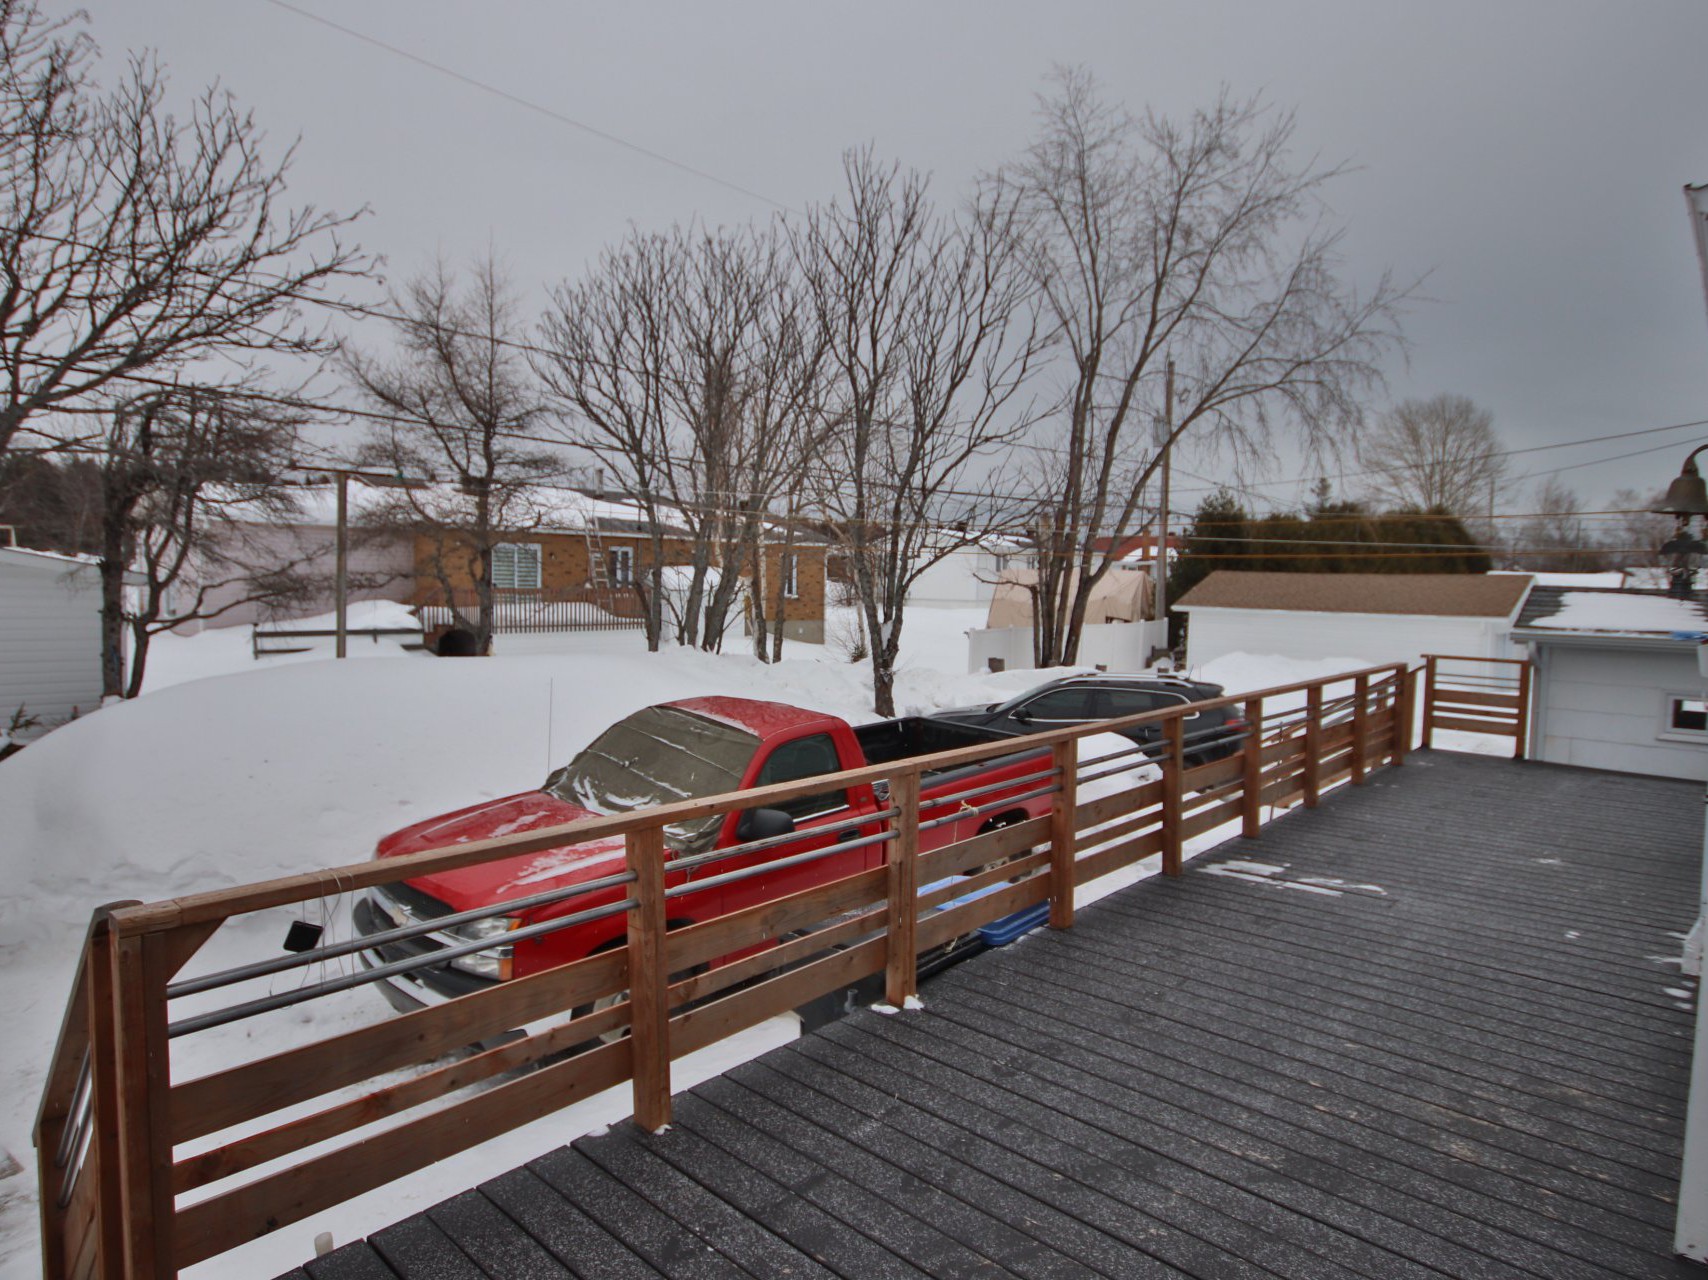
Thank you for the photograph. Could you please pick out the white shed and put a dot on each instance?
(1372, 618)
(50, 635)
(1617, 682)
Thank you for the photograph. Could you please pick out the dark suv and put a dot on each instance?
(1211, 734)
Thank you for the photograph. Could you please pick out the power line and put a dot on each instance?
(602, 134)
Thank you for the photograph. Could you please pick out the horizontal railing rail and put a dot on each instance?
(147, 1166)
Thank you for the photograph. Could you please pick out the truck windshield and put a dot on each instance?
(657, 756)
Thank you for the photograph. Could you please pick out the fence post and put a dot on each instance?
(1404, 689)
(139, 973)
(649, 984)
(1313, 745)
(1428, 700)
(1173, 765)
(1065, 757)
(1360, 726)
(1522, 737)
(901, 966)
(1251, 798)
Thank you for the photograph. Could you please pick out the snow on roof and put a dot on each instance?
(1611, 579)
(1445, 595)
(1613, 612)
(54, 557)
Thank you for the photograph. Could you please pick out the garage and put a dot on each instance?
(1617, 681)
(1367, 618)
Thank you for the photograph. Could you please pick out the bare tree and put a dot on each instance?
(463, 400)
(134, 241)
(1634, 534)
(690, 367)
(1439, 454)
(185, 476)
(1553, 537)
(930, 342)
(1200, 242)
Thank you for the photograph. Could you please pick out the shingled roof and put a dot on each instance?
(1447, 595)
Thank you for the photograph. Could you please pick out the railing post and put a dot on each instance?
(649, 984)
(1173, 766)
(1065, 757)
(1405, 680)
(1313, 745)
(140, 971)
(1521, 739)
(1251, 808)
(901, 967)
(1428, 700)
(104, 1106)
(1360, 726)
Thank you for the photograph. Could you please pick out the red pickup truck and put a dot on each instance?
(674, 751)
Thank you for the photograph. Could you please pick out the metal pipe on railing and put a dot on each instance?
(696, 860)
(765, 868)
(960, 796)
(402, 933)
(978, 811)
(80, 1094)
(393, 969)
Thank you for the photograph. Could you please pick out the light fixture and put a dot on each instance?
(1686, 498)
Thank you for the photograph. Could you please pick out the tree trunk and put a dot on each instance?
(139, 638)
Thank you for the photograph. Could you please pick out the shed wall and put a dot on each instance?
(1370, 639)
(1607, 709)
(50, 640)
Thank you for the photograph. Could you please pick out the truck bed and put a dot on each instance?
(887, 741)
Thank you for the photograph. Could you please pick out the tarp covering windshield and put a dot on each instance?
(658, 755)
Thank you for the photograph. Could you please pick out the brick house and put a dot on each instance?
(589, 549)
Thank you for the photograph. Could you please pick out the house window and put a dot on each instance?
(516, 566)
(999, 563)
(791, 580)
(1686, 717)
(622, 566)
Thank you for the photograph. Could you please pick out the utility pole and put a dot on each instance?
(341, 571)
(1162, 522)
(341, 578)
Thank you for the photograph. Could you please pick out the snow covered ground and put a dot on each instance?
(229, 771)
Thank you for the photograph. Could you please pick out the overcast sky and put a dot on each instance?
(1529, 156)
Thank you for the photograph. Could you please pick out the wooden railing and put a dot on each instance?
(1477, 695)
(144, 1172)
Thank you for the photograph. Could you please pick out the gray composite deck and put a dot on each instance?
(1470, 1062)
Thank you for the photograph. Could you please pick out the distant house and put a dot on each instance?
(582, 547)
(1370, 618)
(1617, 680)
(380, 564)
(967, 576)
(50, 637)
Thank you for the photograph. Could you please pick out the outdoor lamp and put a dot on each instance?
(1686, 498)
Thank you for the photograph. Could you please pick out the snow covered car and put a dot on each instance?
(1211, 734)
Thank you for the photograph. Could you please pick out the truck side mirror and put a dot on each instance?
(763, 824)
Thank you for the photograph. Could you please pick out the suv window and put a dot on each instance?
(804, 758)
(1129, 702)
(1068, 705)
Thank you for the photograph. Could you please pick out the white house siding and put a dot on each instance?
(961, 578)
(1369, 638)
(389, 562)
(50, 637)
(1112, 646)
(1605, 708)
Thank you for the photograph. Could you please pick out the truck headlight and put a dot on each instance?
(494, 962)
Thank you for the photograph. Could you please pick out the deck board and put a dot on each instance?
(1470, 1061)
